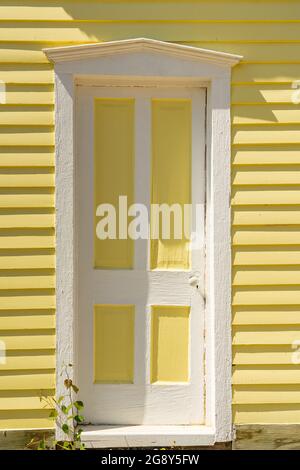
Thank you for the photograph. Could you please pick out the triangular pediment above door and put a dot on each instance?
(140, 45)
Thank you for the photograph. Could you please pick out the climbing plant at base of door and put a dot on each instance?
(66, 411)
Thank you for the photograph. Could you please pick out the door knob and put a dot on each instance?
(194, 281)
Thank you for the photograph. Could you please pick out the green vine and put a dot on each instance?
(66, 411)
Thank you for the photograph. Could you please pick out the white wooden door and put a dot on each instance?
(140, 327)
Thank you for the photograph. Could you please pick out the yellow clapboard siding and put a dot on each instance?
(175, 31)
(126, 10)
(259, 195)
(27, 200)
(32, 259)
(37, 178)
(12, 54)
(264, 276)
(273, 315)
(27, 157)
(266, 394)
(25, 419)
(26, 300)
(266, 414)
(242, 135)
(263, 335)
(262, 94)
(271, 374)
(262, 355)
(24, 135)
(27, 321)
(35, 339)
(266, 73)
(276, 215)
(256, 175)
(266, 296)
(265, 155)
(23, 400)
(18, 239)
(271, 114)
(261, 256)
(25, 220)
(27, 116)
(38, 281)
(29, 94)
(11, 74)
(257, 52)
(35, 360)
(27, 380)
(266, 236)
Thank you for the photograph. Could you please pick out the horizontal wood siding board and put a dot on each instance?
(267, 437)
(180, 10)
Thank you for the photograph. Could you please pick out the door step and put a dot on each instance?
(105, 436)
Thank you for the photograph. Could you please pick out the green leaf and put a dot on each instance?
(67, 445)
(75, 388)
(60, 399)
(65, 428)
(78, 404)
(64, 409)
(79, 418)
(42, 445)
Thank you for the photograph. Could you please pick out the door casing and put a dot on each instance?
(132, 62)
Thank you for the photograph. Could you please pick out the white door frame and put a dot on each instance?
(152, 62)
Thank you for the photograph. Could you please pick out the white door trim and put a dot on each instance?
(136, 61)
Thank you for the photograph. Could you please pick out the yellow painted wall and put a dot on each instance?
(265, 186)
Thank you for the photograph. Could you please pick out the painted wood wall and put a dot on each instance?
(265, 186)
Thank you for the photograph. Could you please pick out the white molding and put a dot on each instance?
(147, 436)
(142, 66)
(97, 50)
(145, 81)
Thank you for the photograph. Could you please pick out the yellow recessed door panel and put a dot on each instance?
(113, 343)
(170, 343)
(171, 182)
(113, 176)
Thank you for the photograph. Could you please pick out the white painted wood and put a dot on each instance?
(218, 312)
(147, 436)
(142, 402)
(84, 51)
(65, 234)
(185, 71)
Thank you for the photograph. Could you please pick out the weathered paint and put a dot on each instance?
(265, 186)
(171, 176)
(113, 173)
